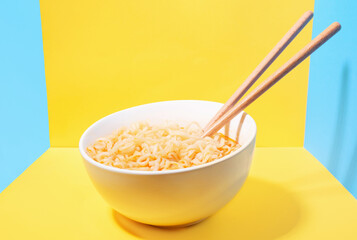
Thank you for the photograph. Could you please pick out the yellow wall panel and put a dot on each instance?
(105, 56)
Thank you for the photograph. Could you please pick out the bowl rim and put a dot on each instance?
(175, 171)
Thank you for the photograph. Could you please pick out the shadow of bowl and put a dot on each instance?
(261, 210)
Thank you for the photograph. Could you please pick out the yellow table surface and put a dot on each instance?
(288, 195)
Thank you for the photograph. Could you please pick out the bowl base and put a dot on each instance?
(120, 218)
(181, 225)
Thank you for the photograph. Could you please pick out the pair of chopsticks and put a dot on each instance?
(230, 109)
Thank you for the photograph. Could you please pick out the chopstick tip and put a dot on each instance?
(336, 25)
(206, 133)
(310, 12)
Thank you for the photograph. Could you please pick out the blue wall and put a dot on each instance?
(331, 123)
(23, 106)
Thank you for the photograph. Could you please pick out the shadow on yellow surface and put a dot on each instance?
(262, 210)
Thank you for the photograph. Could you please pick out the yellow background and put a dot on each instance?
(105, 56)
(288, 195)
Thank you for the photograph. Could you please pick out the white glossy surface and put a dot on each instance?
(174, 197)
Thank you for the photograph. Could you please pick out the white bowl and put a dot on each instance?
(173, 197)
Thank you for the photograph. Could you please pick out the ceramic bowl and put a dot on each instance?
(173, 197)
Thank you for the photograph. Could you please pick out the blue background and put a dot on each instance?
(331, 122)
(23, 105)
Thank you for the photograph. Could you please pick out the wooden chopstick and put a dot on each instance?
(260, 69)
(275, 77)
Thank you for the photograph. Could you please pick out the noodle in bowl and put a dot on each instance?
(159, 189)
(167, 146)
